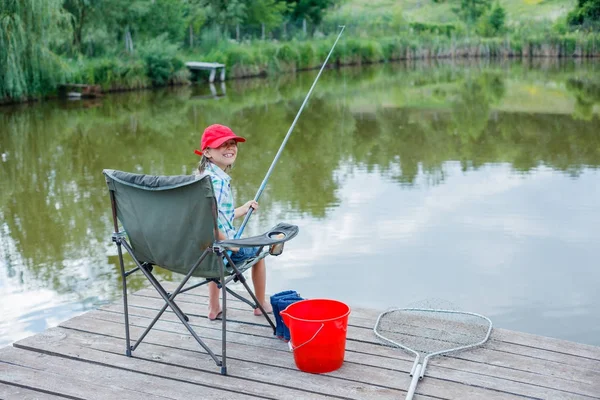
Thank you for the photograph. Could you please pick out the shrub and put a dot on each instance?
(436, 29)
(160, 58)
(306, 55)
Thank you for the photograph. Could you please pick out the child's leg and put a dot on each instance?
(214, 305)
(259, 281)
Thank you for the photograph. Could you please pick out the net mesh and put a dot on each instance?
(431, 328)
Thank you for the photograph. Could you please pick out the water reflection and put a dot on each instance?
(398, 152)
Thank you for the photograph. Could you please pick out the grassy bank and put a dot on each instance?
(262, 58)
(377, 31)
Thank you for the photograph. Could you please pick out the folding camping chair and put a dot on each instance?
(171, 221)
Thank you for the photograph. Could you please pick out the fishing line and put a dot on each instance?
(285, 139)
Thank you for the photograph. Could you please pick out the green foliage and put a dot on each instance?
(587, 95)
(268, 12)
(560, 26)
(436, 29)
(470, 11)
(287, 53)
(195, 18)
(28, 30)
(492, 22)
(160, 58)
(81, 12)
(225, 13)
(111, 74)
(311, 10)
(242, 61)
(164, 17)
(306, 55)
(497, 17)
(106, 41)
(586, 14)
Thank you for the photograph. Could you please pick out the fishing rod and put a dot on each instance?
(287, 136)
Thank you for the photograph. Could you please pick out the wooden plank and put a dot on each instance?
(145, 385)
(67, 386)
(179, 350)
(367, 317)
(361, 352)
(449, 380)
(504, 365)
(151, 360)
(260, 365)
(10, 392)
(203, 65)
(505, 350)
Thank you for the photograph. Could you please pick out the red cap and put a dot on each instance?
(215, 135)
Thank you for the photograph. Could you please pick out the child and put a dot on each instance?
(219, 151)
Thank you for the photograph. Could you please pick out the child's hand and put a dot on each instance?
(246, 207)
(243, 210)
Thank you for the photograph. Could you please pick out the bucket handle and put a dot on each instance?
(292, 348)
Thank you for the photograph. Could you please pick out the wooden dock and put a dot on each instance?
(207, 66)
(84, 358)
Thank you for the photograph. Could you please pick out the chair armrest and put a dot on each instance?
(280, 233)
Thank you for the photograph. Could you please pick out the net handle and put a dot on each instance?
(415, 380)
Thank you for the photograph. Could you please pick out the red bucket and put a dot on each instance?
(317, 333)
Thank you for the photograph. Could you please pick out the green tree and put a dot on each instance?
(587, 12)
(312, 10)
(471, 10)
(225, 13)
(163, 17)
(28, 30)
(124, 19)
(492, 23)
(195, 18)
(265, 13)
(497, 17)
(80, 10)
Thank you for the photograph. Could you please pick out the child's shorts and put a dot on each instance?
(243, 254)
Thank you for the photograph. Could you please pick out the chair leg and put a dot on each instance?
(224, 326)
(179, 309)
(169, 302)
(125, 306)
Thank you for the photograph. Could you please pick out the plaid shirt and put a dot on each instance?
(223, 194)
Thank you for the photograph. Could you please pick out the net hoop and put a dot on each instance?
(436, 353)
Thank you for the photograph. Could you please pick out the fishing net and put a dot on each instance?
(430, 329)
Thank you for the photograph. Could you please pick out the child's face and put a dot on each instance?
(224, 155)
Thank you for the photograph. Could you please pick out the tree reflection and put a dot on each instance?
(587, 95)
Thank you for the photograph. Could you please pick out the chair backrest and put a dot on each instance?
(169, 220)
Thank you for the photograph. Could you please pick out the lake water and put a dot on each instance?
(471, 183)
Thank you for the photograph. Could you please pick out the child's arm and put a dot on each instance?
(243, 210)
(221, 236)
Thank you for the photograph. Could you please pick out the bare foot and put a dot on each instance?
(266, 306)
(214, 314)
